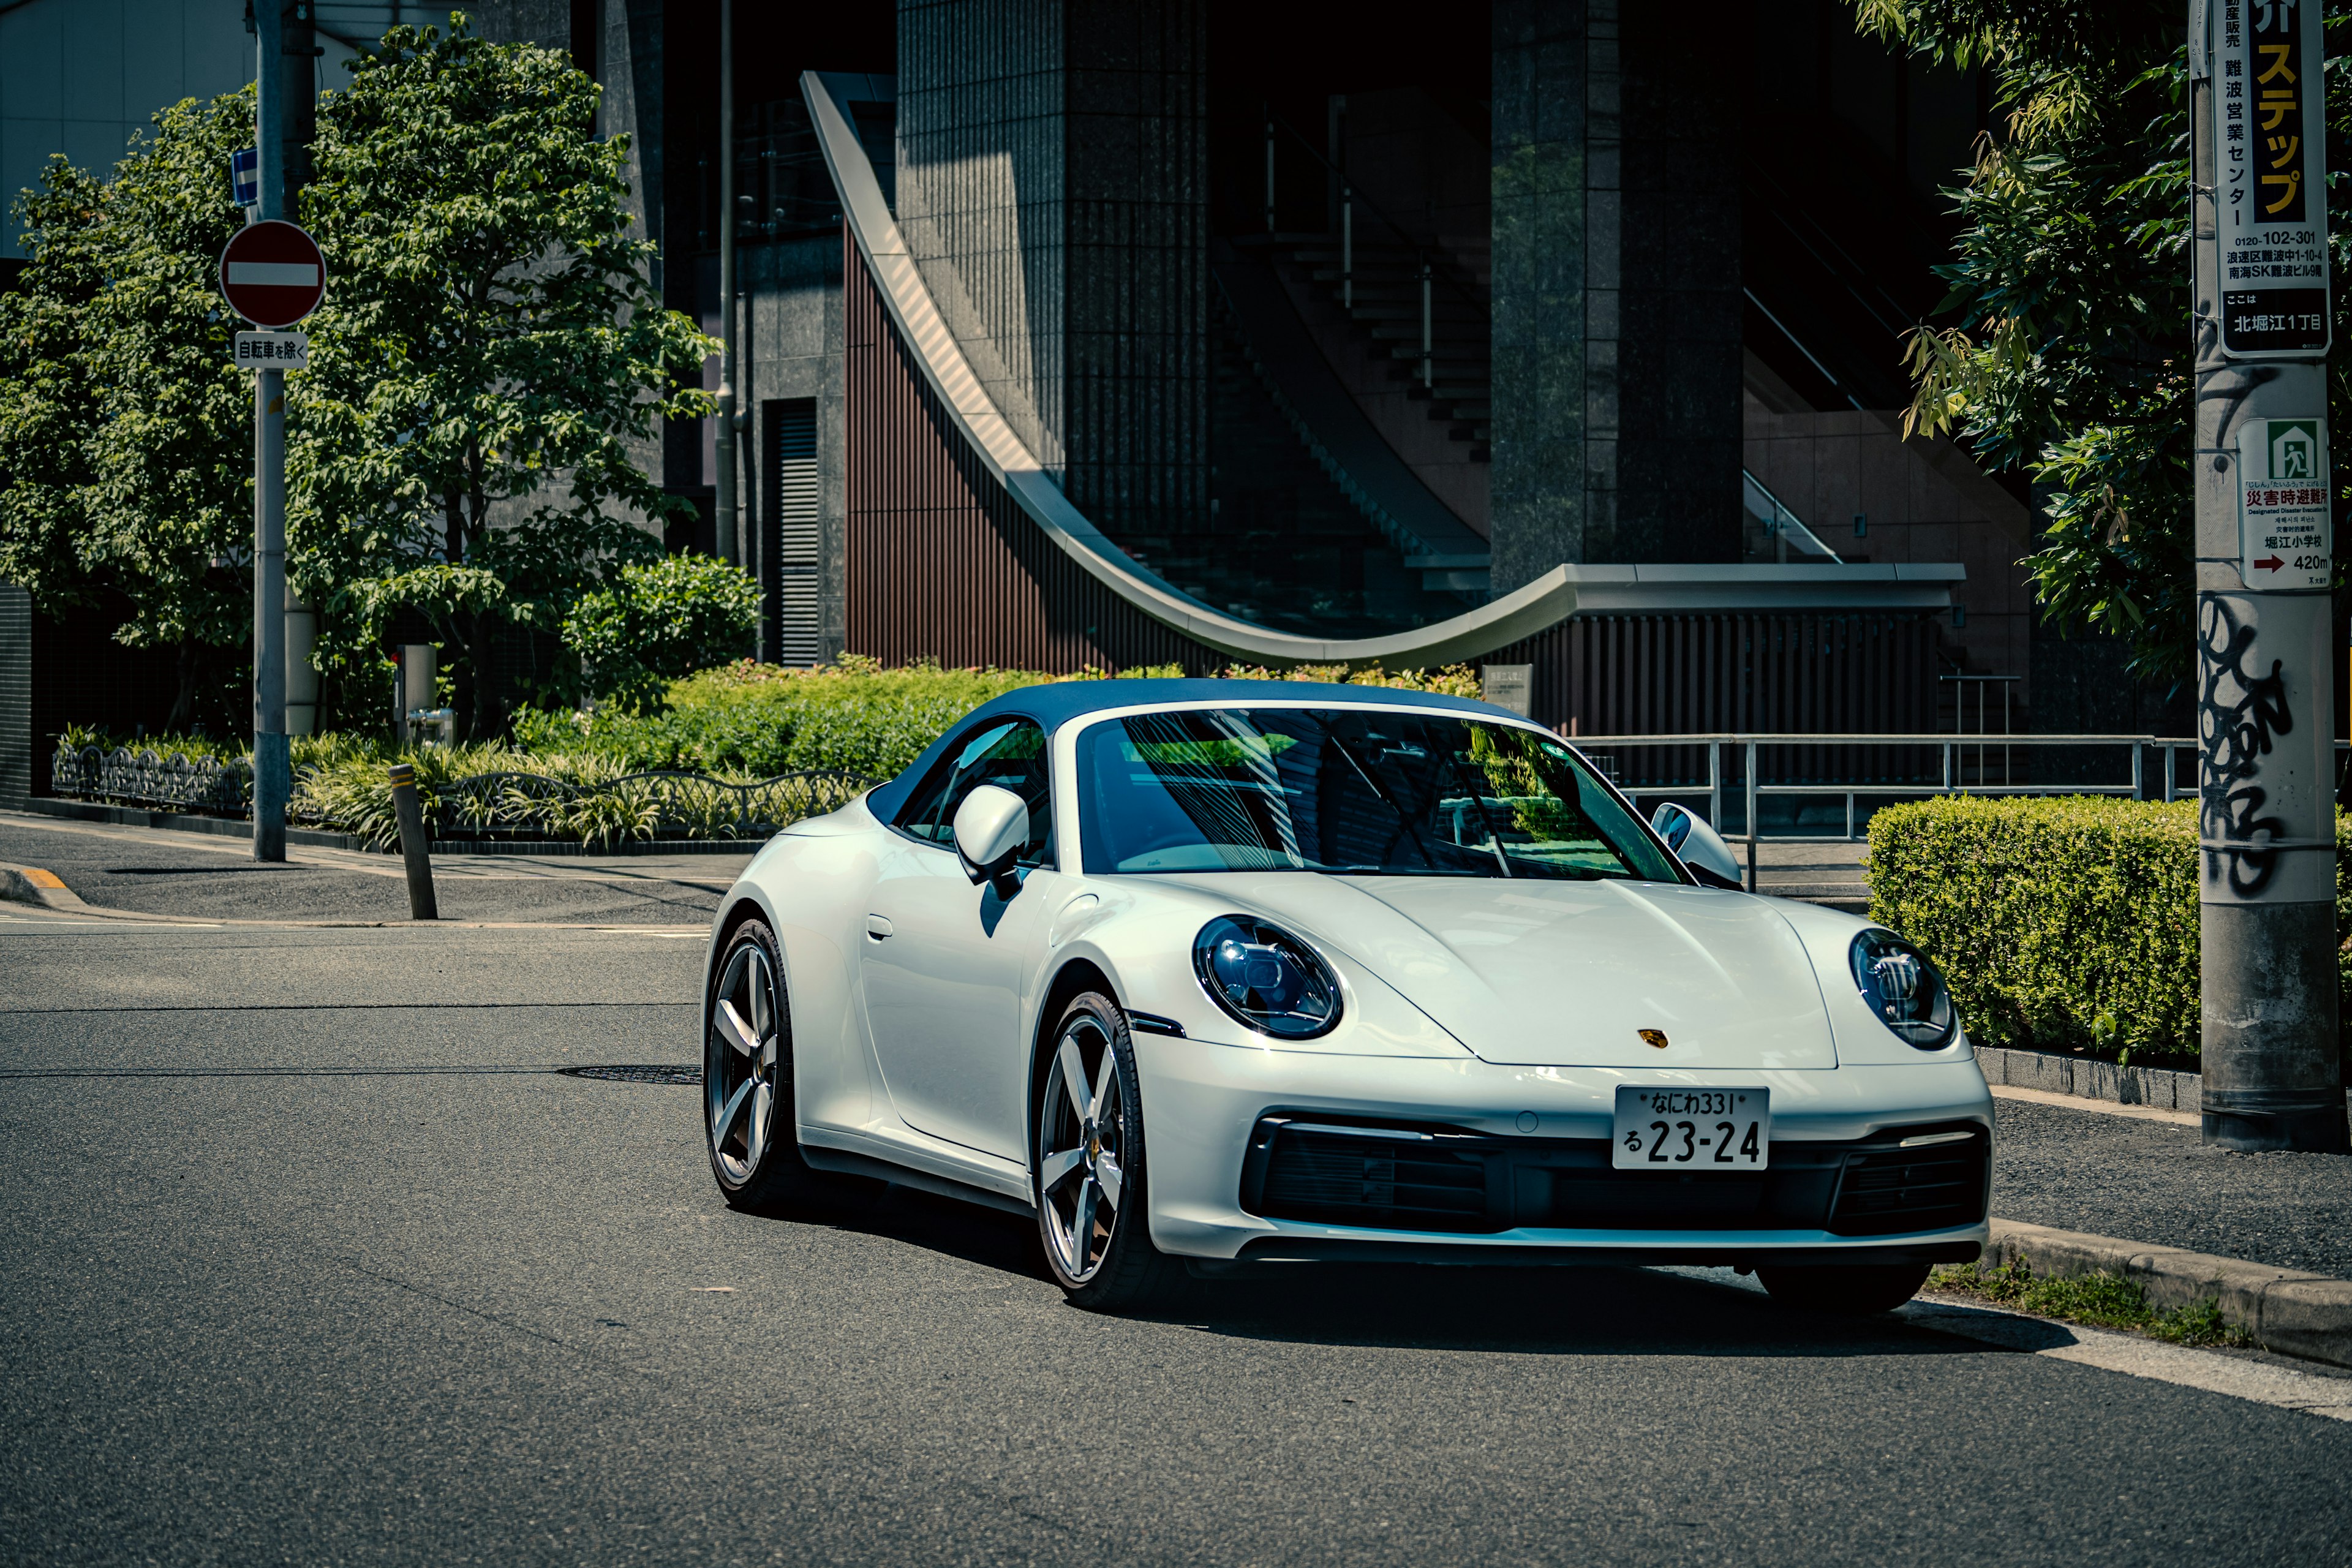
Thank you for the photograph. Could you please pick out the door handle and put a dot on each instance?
(877, 927)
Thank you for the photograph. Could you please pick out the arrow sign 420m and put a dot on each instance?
(273, 274)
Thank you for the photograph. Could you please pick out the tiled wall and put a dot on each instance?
(1052, 185)
(1924, 500)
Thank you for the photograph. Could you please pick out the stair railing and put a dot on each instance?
(1438, 267)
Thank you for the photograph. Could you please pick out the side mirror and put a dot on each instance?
(990, 826)
(1699, 847)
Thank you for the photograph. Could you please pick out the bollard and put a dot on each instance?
(414, 850)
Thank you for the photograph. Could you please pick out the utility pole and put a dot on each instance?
(2273, 1069)
(726, 526)
(272, 771)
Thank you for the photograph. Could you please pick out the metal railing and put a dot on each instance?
(1942, 769)
(146, 778)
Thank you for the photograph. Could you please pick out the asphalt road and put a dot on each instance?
(311, 1256)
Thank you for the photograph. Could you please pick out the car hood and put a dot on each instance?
(1558, 973)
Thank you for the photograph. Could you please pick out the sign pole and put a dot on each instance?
(272, 769)
(2265, 670)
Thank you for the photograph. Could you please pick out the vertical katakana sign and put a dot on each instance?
(2270, 143)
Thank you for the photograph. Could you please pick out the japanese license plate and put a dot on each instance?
(1661, 1129)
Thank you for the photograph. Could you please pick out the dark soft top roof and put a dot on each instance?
(1055, 703)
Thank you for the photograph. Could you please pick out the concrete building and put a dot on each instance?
(1561, 333)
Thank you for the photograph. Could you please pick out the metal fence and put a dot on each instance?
(145, 778)
(1746, 769)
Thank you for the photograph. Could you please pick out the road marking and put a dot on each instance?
(2103, 1106)
(2260, 1382)
(40, 878)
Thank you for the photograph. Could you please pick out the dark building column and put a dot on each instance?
(1051, 182)
(1617, 319)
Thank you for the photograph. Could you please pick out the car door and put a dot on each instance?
(945, 963)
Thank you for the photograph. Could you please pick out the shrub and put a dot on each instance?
(656, 622)
(852, 714)
(2061, 923)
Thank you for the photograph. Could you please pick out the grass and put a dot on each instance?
(2097, 1301)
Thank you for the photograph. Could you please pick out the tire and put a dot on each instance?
(1088, 1158)
(1847, 1289)
(749, 1126)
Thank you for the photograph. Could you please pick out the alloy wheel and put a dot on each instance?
(1081, 1137)
(738, 1065)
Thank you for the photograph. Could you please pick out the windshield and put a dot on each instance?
(1350, 791)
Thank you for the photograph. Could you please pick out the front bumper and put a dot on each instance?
(1540, 1135)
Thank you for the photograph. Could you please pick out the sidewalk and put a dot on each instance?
(154, 871)
(2158, 1182)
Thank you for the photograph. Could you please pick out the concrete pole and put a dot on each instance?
(726, 525)
(2272, 1072)
(271, 770)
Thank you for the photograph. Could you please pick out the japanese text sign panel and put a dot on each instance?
(2270, 142)
(273, 351)
(2286, 529)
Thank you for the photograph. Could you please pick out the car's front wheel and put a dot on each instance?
(1088, 1171)
(1850, 1289)
(747, 1122)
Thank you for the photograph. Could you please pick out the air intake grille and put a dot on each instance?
(1888, 1191)
(1403, 1184)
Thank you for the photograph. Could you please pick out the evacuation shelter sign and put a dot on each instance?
(2270, 140)
(2284, 527)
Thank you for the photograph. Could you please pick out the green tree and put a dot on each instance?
(2068, 355)
(48, 401)
(169, 499)
(125, 433)
(490, 356)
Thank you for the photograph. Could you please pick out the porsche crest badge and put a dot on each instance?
(1654, 1037)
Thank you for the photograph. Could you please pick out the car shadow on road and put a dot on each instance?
(1602, 1309)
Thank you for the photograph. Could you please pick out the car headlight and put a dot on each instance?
(1267, 979)
(1903, 988)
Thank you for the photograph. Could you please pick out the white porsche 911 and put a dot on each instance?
(1211, 974)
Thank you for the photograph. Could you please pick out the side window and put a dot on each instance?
(1010, 754)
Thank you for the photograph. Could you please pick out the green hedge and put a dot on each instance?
(743, 723)
(853, 714)
(2065, 923)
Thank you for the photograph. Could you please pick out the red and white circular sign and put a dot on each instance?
(273, 274)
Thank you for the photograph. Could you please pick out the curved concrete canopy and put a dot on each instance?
(1543, 603)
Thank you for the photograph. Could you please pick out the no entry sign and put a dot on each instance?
(273, 274)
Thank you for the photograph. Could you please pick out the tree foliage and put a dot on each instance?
(490, 358)
(2068, 359)
(125, 435)
(47, 398)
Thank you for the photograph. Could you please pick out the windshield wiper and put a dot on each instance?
(1404, 819)
(1478, 804)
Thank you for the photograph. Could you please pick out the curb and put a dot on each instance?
(2085, 1077)
(31, 885)
(2286, 1311)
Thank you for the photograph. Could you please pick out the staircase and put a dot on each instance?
(1378, 287)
